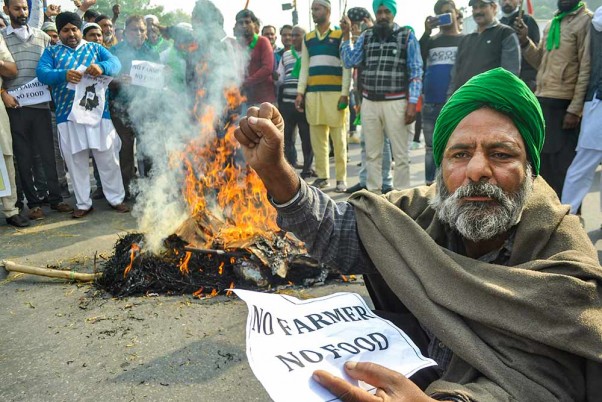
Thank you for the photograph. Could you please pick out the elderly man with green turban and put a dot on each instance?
(485, 270)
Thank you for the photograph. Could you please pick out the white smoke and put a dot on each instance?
(165, 125)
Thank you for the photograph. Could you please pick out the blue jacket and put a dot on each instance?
(57, 60)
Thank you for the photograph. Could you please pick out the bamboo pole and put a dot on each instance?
(52, 273)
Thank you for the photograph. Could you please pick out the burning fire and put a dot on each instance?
(218, 185)
(133, 254)
(184, 264)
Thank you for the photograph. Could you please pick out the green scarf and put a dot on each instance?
(254, 42)
(501, 91)
(554, 33)
(297, 69)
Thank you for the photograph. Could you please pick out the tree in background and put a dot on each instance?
(140, 7)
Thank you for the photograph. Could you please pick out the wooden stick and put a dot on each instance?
(52, 273)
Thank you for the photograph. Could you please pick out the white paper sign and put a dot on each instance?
(4, 182)
(32, 93)
(288, 339)
(89, 100)
(147, 74)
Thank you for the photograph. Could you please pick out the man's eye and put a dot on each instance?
(460, 155)
(500, 155)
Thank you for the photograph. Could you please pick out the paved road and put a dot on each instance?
(61, 341)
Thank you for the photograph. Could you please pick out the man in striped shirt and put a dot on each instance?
(288, 71)
(391, 70)
(323, 92)
(31, 125)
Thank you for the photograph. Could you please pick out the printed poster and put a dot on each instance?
(288, 339)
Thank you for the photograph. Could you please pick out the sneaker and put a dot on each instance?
(35, 214)
(18, 221)
(307, 175)
(62, 207)
(80, 213)
(355, 188)
(98, 194)
(386, 190)
(320, 183)
(341, 187)
(121, 208)
(415, 145)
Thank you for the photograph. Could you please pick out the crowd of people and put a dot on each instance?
(369, 72)
(483, 267)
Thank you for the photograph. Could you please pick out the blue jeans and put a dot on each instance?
(386, 166)
(430, 112)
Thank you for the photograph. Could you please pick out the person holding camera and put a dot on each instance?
(511, 11)
(439, 55)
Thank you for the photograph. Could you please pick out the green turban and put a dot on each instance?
(501, 91)
(390, 4)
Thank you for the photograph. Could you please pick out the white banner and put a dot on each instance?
(32, 93)
(89, 100)
(288, 339)
(4, 181)
(147, 74)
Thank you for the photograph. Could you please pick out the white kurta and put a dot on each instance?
(76, 141)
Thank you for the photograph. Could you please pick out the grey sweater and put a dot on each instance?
(26, 54)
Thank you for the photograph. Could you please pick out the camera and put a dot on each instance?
(442, 20)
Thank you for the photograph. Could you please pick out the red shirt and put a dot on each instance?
(258, 86)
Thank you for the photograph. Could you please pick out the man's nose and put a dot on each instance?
(478, 168)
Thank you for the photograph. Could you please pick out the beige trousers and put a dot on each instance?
(378, 118)
(8, 202)
(319, 142)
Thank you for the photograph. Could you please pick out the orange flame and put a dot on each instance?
(184, 263)
(198, 293)
(221, 268)
(216, 186)
(229, 291)
(134, 250)
(344, 278)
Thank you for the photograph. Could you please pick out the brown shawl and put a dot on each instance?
(530, 331)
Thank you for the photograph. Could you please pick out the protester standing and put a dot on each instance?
(57, 68)
(289, 69)
(134, 47)
(258, 85)
(491, 45)
(386, 106)
(439, 54)
(510, 12)
(580, 174)
(108, 33)
(323, 93)
(562, 59)
(31, 125)
(8, 69)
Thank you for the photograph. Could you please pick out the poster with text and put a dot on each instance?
(147, 74)
(288, 339)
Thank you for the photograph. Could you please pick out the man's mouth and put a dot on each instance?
(478, 15)
(477, 198)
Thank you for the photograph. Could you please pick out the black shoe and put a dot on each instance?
(321, 183)
(98, 194)
(18, 221)
(307, 175)
(386, 190)
(355, 188)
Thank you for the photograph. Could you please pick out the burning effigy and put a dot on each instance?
(230, 237)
